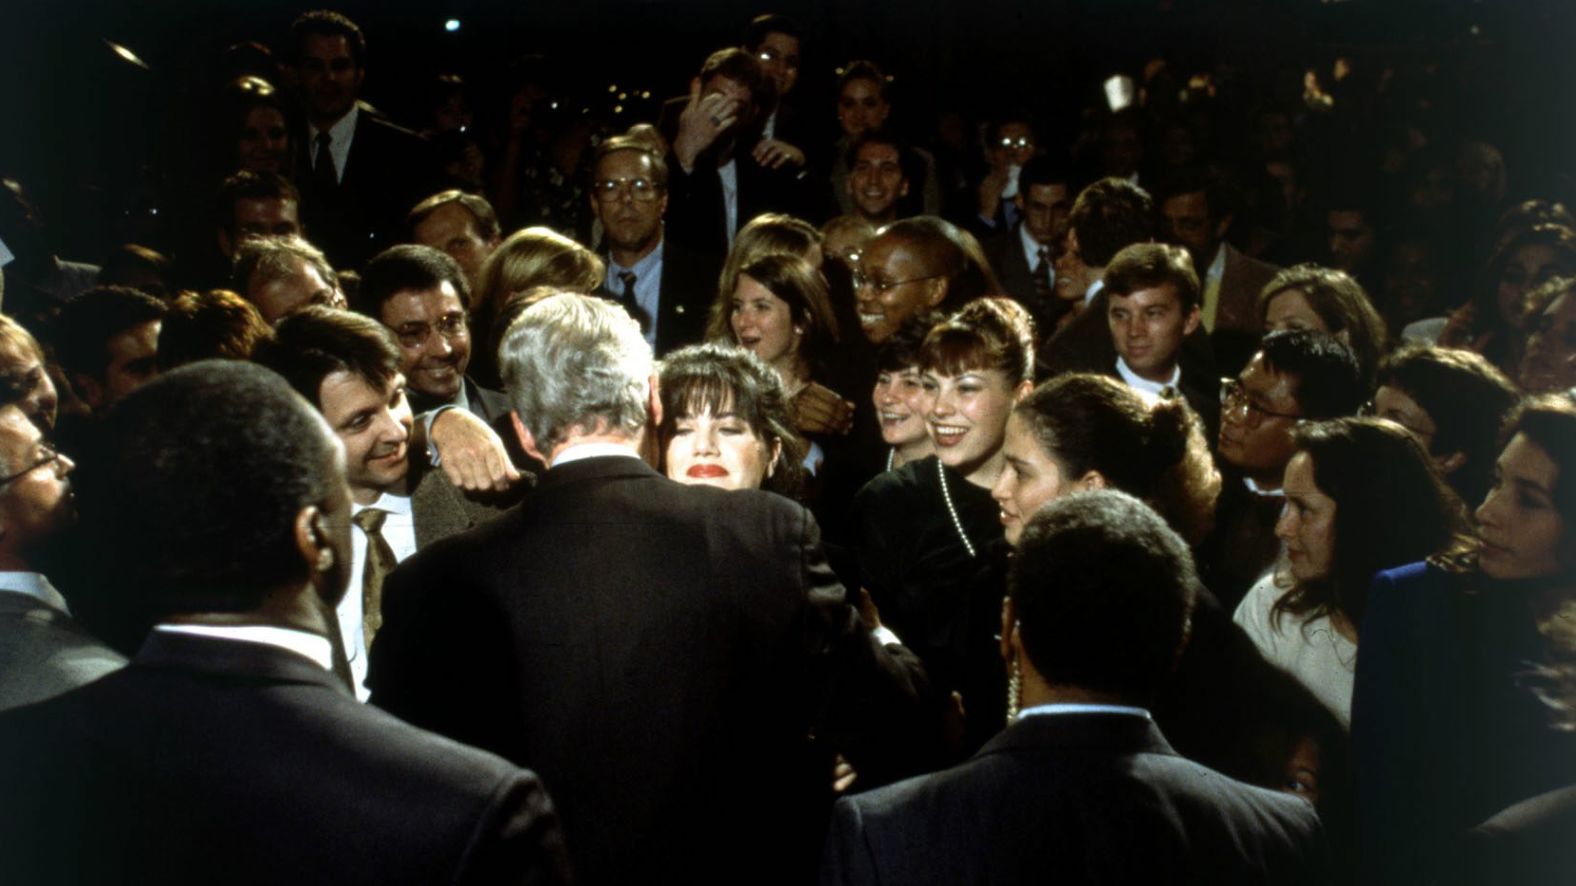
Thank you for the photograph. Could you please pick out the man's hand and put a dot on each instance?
(990, 191)
(820, 410)
(772, 154)
(702, 121)
(471, 454)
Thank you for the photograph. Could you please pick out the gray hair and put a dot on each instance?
(572, 360)
(273, 258)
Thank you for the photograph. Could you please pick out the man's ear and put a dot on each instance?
(526, 438)
(311, 540)
(654, 402)
(777, 454)
(1024, 388)
(1449, 464)
(1222, 226)
(1091, 481)
(937, 293)
(1194, 317)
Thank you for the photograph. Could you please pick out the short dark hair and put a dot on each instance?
(478, 207)
(659, 164)
(877, 136)
(1151, 265)
(1104, 592)
(192, 485)
(1110, 214)
(1045, 169)
(1466, 397)
(900, 351)
(1219, 194)
(1329, 384)
(316, 342)
(1010, 115)
(944, 248)
(217, 324)
(769, 23)
(863, 69)
(82, 332)
(248, 185)
(327, 23)
(743, 68)
(408, 266)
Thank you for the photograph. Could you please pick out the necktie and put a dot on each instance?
(323, 163)
(1042, 273)
(627, 299)
(379, 563)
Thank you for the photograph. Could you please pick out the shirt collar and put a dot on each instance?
(388, 502)
(314, 647)
(1031, 246)
(1217, 267)
(35, 585)
(1144, 385)
(1093, 290)
(593, 450)
(1070, 708)
(1256, 489)
(647, 264)
(343, 128)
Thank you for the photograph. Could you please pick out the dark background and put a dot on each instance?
(99, 141)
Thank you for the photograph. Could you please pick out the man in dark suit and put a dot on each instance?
(1081, 787)
(1024, 256)
(358, 172)
(1196, 212)
(227, 751)
(678, 661)
(664, 285)
(715, 184)
(43, 652)
(346, 365)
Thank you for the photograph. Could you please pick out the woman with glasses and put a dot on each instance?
(923, 531)
(1361, 496)
(1448, 724)
(916, 265)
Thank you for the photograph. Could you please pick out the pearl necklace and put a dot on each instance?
(946, 496)
(890, 452)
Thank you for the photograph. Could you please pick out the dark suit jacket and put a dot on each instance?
(388, 171)
(687, 291)
(1237, 328)
(43, 652)
(217, 761)
(1084, 345)
(662, 653)
(1090, 798)
(1005, 252)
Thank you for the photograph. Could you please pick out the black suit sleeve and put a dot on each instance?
(519, 841)
(846, 860)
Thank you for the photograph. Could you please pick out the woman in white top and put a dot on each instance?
(1361, 496)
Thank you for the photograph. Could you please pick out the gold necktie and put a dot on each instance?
(380, 561)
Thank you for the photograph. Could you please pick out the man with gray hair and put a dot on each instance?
(677, 661)
(281, 276)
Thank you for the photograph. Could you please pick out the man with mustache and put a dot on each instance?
(348, 367)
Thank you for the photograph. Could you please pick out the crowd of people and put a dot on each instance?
(723, 499)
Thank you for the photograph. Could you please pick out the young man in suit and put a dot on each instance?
(227, 751)
(663, 284)
(43, 652)
(678, 661)
(1082, 787)
(358, 172)
(346, 365)
(1024, 256)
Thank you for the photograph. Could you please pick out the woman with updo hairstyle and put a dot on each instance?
(526, 259)
(1448, 726)
(258, 126)
(1309, 296)
(1362, 496)
(923, 531)
(1491, 323)
(725, 422)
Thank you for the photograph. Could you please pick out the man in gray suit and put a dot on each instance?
(43, 652)
(348, 366)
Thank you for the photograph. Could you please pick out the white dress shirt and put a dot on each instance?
(341, 134)
(313, 647)
(399, 530)
(648, 285)
(1045, 710)
(1149, 390)
(34, 585)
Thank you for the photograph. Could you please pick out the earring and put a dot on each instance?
(1014, 691)
(325, 559)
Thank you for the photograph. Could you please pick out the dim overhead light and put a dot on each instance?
(451, 25)
(126, 54)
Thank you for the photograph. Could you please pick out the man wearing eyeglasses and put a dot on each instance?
(1009, 144)
(1296, 375)
(42, 651)
(661, 284)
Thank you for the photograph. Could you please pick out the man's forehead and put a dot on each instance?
(329, 46)
(624, 160)
(878, 152)
(1164, 294)
(416, 304)
(1261, 378)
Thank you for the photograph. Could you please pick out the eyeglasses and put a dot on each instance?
(451, 326)
(771, 55)
(1018, 143)
(48, 456)
(1233, 397)
(611, 190)
(882, 287)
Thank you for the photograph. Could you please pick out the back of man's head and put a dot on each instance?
(1110, 214)
(249, 185)
(482, 211)
(1104, 593)
(316, 342)
(1329, 382)
(405, 268)
(576, 361)
(193, 487)
(88, 322)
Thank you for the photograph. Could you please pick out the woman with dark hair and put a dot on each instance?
(1492, 322)
(922, 531)
(899, 394)
(725, 422)
(1361, 496)
(258, 137)
(1447, 724)
(915, 265)
(1325, 300)
(1549, 363)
